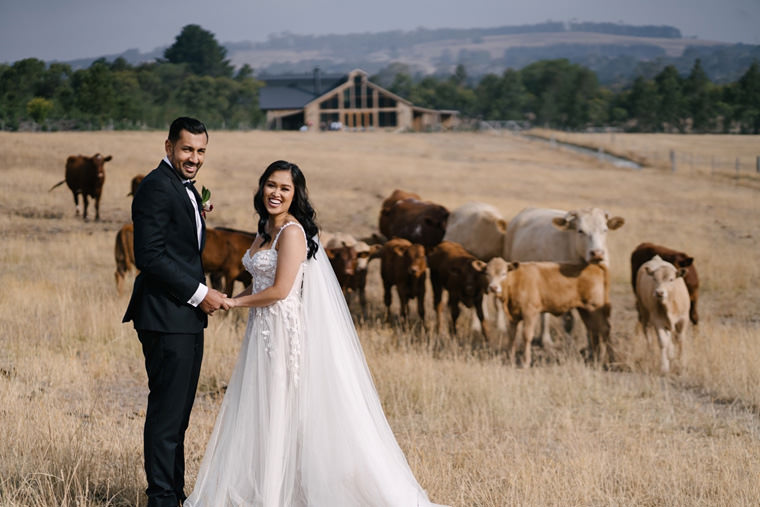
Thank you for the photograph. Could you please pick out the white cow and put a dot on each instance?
(576, 236)
(479, 228)
(663, 303)
(540, 234)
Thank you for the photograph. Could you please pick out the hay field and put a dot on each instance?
(476, 432)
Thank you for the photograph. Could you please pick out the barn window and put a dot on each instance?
(387, 119)
(386, 101)
(329, 103)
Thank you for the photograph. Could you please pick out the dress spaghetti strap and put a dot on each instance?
(274, 243)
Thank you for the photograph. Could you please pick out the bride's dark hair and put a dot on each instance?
(300, 207)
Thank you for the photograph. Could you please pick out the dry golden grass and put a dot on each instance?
(476, 432)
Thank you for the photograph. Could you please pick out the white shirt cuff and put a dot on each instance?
(200, 295)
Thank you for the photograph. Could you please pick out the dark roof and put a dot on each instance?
(296, 90)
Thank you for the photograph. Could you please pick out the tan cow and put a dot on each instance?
(531, 288)
(646, 251)
(405, 215)
(663, 303)
(463, 276)
(576, 236)
(403, 264)
(85, 175)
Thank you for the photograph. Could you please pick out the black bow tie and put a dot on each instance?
(189, 184)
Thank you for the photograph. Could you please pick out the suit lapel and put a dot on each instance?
(182, 192)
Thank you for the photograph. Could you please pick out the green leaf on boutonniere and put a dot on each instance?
(205, 195)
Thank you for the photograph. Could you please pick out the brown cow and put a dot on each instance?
(349, 259)
(463, 276)
(531, 288)
(85, 175)
(403, 264)
(124, 252)
(135, 183)
(405, 215)
(646, 251)
(223, 256)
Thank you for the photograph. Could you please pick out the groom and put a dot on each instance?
(170, 303)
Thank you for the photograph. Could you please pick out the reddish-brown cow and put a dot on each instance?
(135, 183)
(223, 257)
(85, 175)
(403, 264)
(646, 251)
(405, 215)
(463, 276)
(124, 252)
(349, 259)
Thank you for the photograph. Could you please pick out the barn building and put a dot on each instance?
(350, 100)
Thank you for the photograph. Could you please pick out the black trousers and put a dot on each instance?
(173, 364)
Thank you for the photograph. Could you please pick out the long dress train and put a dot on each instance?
(301, 423)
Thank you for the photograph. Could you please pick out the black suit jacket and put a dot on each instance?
(167, 255)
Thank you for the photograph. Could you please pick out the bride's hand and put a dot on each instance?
(231, 302)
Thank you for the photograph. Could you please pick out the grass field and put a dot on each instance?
(476, 432)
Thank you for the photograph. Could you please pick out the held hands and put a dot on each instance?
(214, 301)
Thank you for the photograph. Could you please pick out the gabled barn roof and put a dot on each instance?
(294, 91)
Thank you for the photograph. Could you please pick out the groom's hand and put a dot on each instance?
(213, 301)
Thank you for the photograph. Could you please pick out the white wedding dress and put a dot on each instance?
(301, 423)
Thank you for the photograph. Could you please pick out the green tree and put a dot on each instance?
(642, 104)
(748, 100)
(201, 52)
(699, 99)
(39, 108)
(671, 108)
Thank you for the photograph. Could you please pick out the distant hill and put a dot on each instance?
(616, 52)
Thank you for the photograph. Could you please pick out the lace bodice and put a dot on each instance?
(262, 265)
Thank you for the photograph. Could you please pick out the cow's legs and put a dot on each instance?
(387, 298)
(546, 337)
(529, 329)
(76, 203)
(481, 317)
(363, 304)
(97, 209)
(666, 348)
(420, 295)
(86, 202)
(512, 341)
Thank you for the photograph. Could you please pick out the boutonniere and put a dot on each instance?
(206, 204)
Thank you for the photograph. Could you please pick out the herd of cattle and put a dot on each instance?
(541, 262)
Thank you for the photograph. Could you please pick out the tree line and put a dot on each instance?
(194, 78)
(560, 94)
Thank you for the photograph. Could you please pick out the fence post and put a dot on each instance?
(758, 164)
(672, 161)
(737, 166)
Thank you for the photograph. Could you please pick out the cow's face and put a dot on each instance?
(664, 275)
(99, 162)
(475, 279)
(343, 260)
(588, 229)
(496, 272)
(415, 260)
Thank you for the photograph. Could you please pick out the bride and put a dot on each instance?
(301, 423)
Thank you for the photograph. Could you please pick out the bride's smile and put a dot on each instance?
(278, 193)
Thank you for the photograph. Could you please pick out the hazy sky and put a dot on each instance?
(70, 29)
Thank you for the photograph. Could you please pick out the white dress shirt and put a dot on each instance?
(202, 290)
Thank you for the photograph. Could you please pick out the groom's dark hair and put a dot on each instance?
(186, 123)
